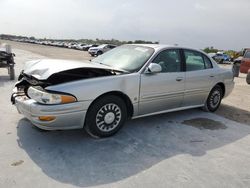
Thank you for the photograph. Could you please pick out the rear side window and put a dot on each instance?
(194, 60)
(247, 54)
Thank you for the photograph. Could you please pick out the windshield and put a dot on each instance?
(127, 57)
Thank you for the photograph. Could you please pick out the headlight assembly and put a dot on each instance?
(45, 97)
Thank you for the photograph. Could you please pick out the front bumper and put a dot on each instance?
(67, 116)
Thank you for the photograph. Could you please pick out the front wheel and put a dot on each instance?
(105, 116)
(99, 53)
(214, 99)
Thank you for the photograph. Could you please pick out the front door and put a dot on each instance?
(165, 90)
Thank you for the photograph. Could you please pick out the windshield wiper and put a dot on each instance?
(112, 68)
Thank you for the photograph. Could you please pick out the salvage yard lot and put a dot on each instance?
(191, 148)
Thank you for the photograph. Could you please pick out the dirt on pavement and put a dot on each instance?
(205, 123)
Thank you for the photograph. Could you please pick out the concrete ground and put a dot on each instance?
(191, 148)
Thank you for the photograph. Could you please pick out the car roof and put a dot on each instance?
(158, 47)
(155, 46)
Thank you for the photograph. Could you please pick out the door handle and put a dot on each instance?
(179, 79)
(211, 76)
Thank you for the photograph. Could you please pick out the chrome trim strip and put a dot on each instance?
(162, 95)
(195, 91)
(171, 110)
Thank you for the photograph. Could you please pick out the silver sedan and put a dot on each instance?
(129, 81)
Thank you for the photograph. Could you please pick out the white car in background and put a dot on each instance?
(96, 51)
(80, 46)
(72, 44)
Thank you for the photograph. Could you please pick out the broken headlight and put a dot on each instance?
(49, 98)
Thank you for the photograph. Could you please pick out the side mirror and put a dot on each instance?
(154, 68)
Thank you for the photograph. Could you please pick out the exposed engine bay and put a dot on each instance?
(25, 80)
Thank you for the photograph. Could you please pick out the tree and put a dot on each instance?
(210, 50)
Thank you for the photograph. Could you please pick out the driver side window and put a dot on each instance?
(169, 60)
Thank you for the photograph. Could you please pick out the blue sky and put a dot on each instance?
(195, 23)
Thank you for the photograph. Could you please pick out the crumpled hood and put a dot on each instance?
(42, 69)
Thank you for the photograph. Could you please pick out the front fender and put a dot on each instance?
(90, 89)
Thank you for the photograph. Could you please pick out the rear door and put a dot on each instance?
(199, 77)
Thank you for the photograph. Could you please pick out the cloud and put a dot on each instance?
(199, 6)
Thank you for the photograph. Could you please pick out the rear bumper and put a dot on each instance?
(229, 88)
(67, 116)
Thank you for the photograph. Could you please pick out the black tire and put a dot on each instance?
(214, 99)
(248, 77)
(105, 116)
(99, 53)
(12, 73)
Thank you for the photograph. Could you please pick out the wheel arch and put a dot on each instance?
(123, 96)
(222, 85)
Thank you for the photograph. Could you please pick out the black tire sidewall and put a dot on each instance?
(90, 121)
(209, 107)
(99, 53)
(248, 77)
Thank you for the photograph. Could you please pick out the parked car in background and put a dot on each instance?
(221, 57)
(130, 81)
(99, 50)
(79, 46)
(245, 62)
(72, 44)
(87, 47)
(211, 54)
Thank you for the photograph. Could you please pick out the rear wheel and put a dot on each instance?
(214, 99)
(106, 116)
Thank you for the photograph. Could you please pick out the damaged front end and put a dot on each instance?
(52, 108)
(25, 80)
(21, 87)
